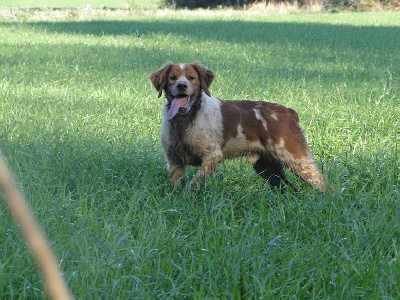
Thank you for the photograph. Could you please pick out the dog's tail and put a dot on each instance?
(54, 281)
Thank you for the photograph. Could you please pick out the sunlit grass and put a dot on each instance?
(81, 125)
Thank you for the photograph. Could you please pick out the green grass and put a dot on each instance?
(80, 129)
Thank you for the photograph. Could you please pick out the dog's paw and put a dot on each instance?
(195, 184)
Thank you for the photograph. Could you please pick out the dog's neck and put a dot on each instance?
(196, 106)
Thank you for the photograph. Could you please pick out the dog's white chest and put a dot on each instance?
(207, 128)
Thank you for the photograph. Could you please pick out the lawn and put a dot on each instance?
(80, 130)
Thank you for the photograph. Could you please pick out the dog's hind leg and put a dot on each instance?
(272, 171)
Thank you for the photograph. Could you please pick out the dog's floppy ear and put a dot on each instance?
(159, 78)
(206, 76)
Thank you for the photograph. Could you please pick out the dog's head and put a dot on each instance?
(182, 84)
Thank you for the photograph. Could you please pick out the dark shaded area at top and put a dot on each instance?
(193, 4)
(312, 34)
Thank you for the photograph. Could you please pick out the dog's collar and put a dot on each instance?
(196, 106)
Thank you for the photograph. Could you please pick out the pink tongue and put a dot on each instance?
(177, 103)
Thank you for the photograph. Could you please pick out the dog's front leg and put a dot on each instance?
(208, 167)
(176, 174)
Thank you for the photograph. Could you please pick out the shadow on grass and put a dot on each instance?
(342, 52)
(87, 168)
(240, 32)
(96, 167)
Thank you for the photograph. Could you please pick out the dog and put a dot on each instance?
(201, 130)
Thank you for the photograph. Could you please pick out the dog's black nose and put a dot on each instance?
(182, 86)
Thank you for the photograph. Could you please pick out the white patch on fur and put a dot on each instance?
(281, 152)
(240, 145)
(274, 116)
(252, 158)
(182, 66)
(260, 117)
(205, 135)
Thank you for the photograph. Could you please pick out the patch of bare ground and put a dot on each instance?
(272, 7)
(260, 8)
(45, 14)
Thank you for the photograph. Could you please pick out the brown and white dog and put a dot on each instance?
(201, 130)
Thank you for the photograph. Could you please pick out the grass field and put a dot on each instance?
(80, 129)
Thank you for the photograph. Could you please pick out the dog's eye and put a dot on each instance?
(173, 77)
(191, 78)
